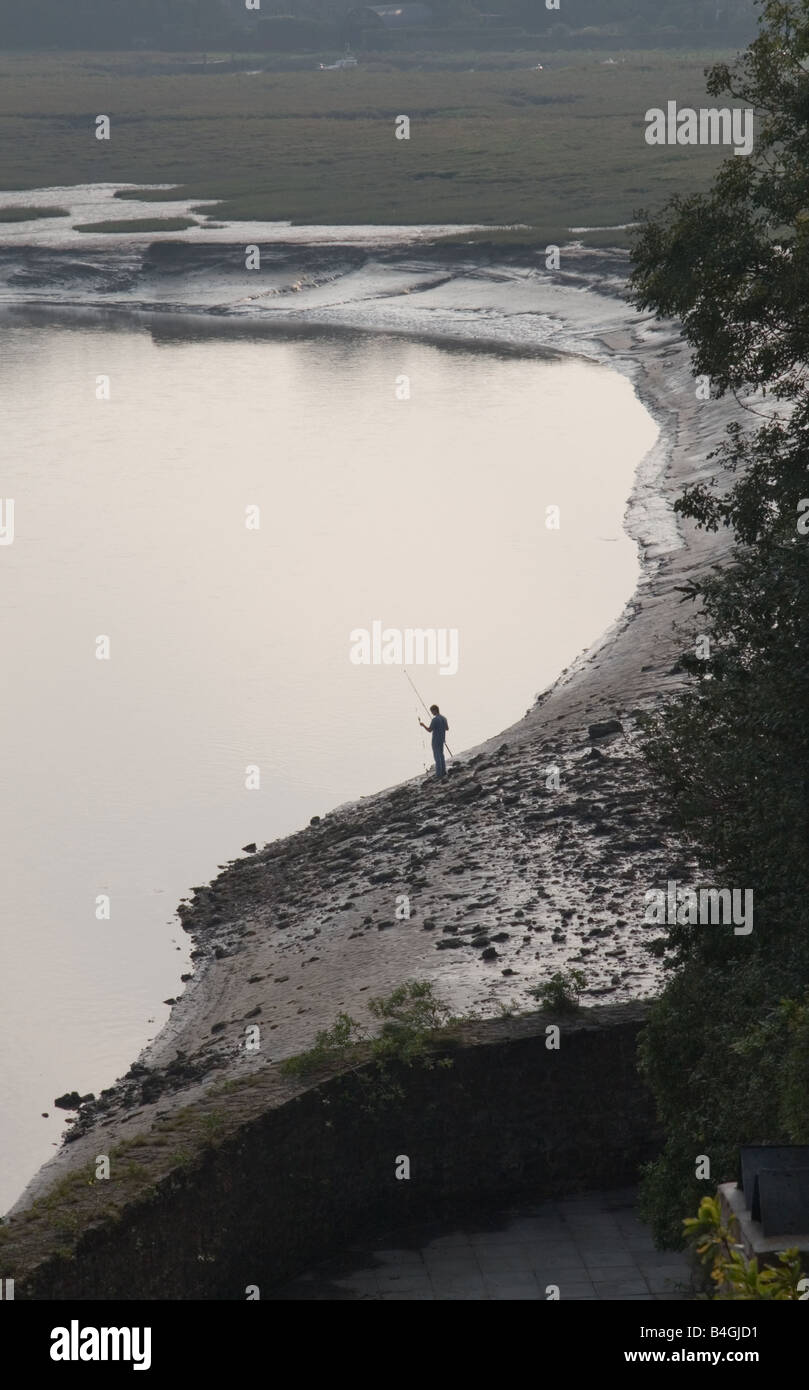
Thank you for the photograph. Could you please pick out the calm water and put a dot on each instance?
(229, 646)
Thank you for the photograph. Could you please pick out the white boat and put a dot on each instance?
(341, 63)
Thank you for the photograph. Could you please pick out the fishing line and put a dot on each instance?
(427, 710)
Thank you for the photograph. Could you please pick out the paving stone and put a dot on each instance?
(393, 1267)
(462, 1297)
(589, 1231)
(617, 1289)
(519, 1258)
(458, 1240)
(405, 1259)
(669, 1282)
(602, 1274)
(557, 1274)
(518, 1293)
(460, 1284)
(412, 1296)
(405, 1283)
(531, 1229)
(502, 1241)
(552, 1251)
(665, 1259)
(529, 1287)
(361, 1282)
(608, 1255)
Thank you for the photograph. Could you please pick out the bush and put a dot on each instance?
(413, 1023)
(560, 994)
(731, 1277)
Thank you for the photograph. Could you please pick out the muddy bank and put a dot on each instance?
(536, 853)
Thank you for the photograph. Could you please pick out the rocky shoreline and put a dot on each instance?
(510, 871)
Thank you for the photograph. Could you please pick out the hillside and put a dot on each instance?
(295, 25)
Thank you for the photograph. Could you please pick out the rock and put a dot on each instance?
(151, 1090)
(45, 1115)
(605, 728)
(71, 1100)
(594, 755)
(447, 942)
(315, 820)
(500, 936)
(489, 954)
(249, 849)
(185, 978)
(169, 1001)
(217, 1027)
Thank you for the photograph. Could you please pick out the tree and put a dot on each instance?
(733, 751)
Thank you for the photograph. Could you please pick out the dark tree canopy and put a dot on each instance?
(733, 752)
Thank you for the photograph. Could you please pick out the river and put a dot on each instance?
(203, 515)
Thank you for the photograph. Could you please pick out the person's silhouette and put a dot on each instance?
(437, 728)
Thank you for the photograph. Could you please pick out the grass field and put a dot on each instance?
(28, 214)
(551, 150)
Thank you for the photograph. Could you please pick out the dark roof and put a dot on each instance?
(398, 16)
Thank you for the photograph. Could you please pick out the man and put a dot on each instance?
(437, 728)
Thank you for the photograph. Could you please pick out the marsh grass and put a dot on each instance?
(560, 148)
(30, 214)
(140, 224)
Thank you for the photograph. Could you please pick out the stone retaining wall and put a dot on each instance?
(509, 1119)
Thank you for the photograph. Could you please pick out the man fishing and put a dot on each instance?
(437, 728)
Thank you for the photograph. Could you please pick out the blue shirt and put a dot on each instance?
(438, 728)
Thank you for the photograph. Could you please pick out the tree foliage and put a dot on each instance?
(726, 1049)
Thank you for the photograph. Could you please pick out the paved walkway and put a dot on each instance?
(591, 1247)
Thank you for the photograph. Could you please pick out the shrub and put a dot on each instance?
(560, 994)
(732, 1277)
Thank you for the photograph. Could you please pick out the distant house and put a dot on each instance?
(390, 16)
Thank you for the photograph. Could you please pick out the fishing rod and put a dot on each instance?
(426, 709)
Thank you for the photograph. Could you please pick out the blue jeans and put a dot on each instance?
(438, 754)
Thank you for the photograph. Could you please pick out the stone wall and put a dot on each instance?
(510, 1119)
